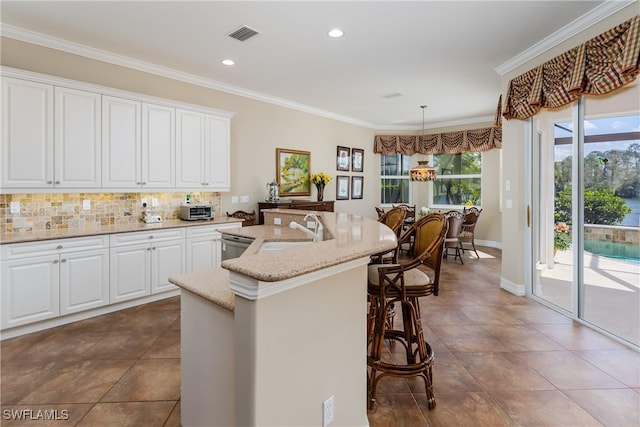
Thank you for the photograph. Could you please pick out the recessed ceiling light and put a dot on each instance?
(228, 62)
(335, 33)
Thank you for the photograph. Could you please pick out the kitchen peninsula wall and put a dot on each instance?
(64, 210)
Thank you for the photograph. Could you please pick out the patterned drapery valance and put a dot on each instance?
(449, 142)
(599, 66)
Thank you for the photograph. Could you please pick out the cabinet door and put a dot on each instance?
(84, 280)
(190, 149)
(167, 261)
(27, 134)
(217, 155)
(121, 143)
(203, 254)
(77, 138)
(130, 272)
(158, 146)
(30, 290)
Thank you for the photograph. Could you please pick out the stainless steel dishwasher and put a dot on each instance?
(234, 246)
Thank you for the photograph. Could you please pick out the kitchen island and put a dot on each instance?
(270, 336)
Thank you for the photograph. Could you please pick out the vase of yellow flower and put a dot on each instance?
(320, 179)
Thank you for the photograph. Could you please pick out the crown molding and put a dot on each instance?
(590, 18)
(450, 123)
(33, 37)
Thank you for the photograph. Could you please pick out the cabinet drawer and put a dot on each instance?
(209, 230)
(123, 239)
(53, 247)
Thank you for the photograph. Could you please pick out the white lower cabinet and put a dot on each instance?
(47, 279)
(204, 246)
(142, 262)
(43, 280)
(30, 289)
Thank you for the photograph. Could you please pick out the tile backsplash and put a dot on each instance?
(65, 210)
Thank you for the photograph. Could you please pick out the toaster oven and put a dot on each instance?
(197, 212)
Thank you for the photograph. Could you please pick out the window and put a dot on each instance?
(394, 179)
(459, 179)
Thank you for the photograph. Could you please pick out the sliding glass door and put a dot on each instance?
(585, 202)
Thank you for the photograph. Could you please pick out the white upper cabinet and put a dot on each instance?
(77, 138)
(202, 151)
(121, 143)
(158, 146)
(58, 134)
(27, 134)
(217, 150)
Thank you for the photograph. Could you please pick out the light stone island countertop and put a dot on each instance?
(353, 237)
(33, 236)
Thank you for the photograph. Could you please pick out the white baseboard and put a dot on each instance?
(489, 244)
(512, 287)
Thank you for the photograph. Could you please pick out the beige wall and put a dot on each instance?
(257, 129)
(513, 134)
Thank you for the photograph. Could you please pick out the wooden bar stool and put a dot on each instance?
(403, 284)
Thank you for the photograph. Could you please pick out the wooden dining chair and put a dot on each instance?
(467, 233)
(452, 241)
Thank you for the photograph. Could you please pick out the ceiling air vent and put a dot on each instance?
(243, 33)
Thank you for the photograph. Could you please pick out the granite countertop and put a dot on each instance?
(353, 237)
(33, 236)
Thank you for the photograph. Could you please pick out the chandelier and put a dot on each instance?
(422, 172)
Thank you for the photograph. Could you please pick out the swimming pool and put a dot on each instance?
(629, 253)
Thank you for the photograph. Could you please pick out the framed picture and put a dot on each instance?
(356, 187)
(357, 160)
(342, 188)
(342, 158)
(292, 172)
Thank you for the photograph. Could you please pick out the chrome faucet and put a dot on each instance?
(317, 234)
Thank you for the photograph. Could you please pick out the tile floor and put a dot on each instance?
(500, 360)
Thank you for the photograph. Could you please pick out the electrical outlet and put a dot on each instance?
(311, 225)
(143, 202)
(244, 199)
(15, 207)
(327, 412)
(507, 185)
(86, 205)
(277, 221)
(234, 200)
(154, 202)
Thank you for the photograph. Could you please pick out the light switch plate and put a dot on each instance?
(15, 207)
(508, 204)
(277, 221)
(154, 201)
(234, 200)
(507, 185)
(244, 199)
(86, 205)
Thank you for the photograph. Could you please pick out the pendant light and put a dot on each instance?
(422, 172)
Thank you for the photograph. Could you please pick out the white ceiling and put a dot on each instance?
(440, 54)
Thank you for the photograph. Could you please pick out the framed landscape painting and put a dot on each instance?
(293, 172)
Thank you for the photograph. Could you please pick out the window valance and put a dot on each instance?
(482, 139)
(599, 66)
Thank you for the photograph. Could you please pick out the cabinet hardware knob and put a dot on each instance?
(55, 261)
(64, 260)
(144, 183)
(59, 247)
(49, 182)
(151, 237)
(148, 249)
(154, 248)
(57, 182)
(138, 183)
